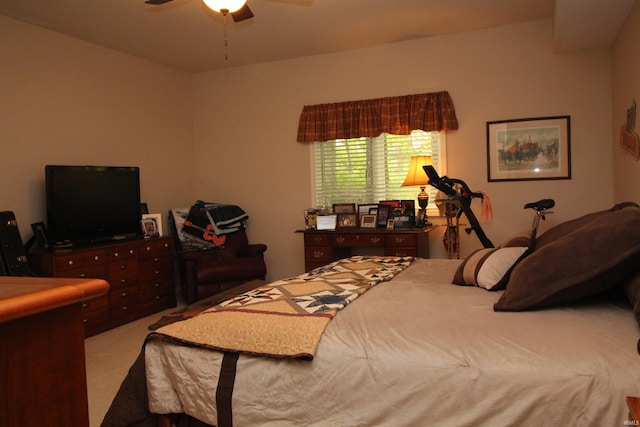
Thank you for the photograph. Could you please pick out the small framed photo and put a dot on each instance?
(151, 225)
(347, 220)
(529, 149)
(390, 224)
(326, 222)
(366, 209)
(339, 208)
(408, 207)
(367, 221)
(384, 212)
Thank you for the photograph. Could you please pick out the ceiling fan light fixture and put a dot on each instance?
(229, 6)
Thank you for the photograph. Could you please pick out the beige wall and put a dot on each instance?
(64, 101)
(246, 122)
(229, 135)
(626, 89)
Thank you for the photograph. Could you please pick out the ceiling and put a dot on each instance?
(186, 35)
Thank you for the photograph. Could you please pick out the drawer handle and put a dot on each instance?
(83, 275)
(123, 280)
(131, 251)
(123, 267)
(156, 259)
(157, 285)
(318, 254)
(69, 262)
(85, 320)
(116, 254)
(156, 272)
(125, 308)
(317, 240)
(340, 239)
(399, 239)
(96, 258)
(375, 240)
(124, 294)
(157, 297)
(148, 248)
(85, 305)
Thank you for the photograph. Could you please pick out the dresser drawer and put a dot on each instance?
(401, 240)
(95, 311)
(154, 246)
(155, 261)
(318, 254)
(123, 300)
(77, 260)
(87, 272)
(358, 240)
(123, 266)
(123, 252)
(317, 240)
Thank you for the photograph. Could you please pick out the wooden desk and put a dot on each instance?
(44, 380)
(322, 247)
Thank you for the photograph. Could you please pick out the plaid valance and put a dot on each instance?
(397, 115)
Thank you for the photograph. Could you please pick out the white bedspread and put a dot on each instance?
(420, 351)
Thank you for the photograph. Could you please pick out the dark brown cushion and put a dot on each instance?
(521, 239)
(591, 259)
(562, 229)
(632, 289)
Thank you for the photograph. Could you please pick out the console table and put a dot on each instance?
(42, 358)
(140, 273)
(322, 247)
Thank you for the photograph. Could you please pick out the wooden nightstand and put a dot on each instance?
(634, 410)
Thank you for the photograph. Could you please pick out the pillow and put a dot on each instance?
(523, 239)
(561, 230)
(632, 289)
(587, 261)
(488, 268)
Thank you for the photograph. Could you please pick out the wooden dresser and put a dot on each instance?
(139, 271)
(323, 247)
(43, 381)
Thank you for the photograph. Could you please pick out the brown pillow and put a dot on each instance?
(632, 289)
(562, 229)
(587, 261)
(522, 239)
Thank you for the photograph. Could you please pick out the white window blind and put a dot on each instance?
(367, 170)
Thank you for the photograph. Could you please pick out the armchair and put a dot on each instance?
(206, 271)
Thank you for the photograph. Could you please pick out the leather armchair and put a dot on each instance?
(206, 272)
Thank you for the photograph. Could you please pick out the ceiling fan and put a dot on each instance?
(238, 9)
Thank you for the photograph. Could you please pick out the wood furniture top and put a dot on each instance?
(25, 296)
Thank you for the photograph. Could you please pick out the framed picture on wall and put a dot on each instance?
(529, 149)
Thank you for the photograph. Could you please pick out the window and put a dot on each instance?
(367, 170)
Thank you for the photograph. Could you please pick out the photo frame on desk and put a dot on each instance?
(347, 220)
(383, 215)
(326, 222)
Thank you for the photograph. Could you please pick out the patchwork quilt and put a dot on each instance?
(285, 318)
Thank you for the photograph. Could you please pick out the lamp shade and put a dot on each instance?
(417, 175)
(229, 5)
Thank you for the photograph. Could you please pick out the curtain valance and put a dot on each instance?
(397, 115)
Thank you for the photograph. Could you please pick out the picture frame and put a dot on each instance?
(326, 222)
(408, 207)
(529, 149)
(151, 225)
(368, 221)
(365, 209)
(40, 233)
(383, 215)
(339, 208)
(347, 220)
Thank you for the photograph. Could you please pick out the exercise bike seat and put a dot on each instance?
(541, 205)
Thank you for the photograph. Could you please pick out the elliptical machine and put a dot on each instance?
(465, 196)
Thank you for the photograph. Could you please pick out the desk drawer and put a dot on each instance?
(317, 240)
(353, 240)
(399, 240)
(318, 254)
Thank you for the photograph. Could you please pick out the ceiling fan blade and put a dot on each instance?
(157, 1)
(243, 13)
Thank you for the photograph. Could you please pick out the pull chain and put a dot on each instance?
(226, 44)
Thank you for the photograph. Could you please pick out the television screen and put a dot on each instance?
(92, 203)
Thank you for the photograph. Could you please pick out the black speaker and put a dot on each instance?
(14, 260)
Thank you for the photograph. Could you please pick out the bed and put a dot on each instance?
(515, 335)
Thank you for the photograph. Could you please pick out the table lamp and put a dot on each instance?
(417, 176)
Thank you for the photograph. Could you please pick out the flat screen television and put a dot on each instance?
(87, 204)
